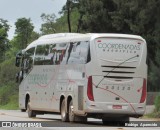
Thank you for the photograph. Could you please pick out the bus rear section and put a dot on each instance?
(117, 82)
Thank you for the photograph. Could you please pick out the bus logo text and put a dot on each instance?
(119, 46)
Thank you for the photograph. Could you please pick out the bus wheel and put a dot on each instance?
(64, 114)
(73, 117)
(23, 110)
(31, 113)
(71, 113)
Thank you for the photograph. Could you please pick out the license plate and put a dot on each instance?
(117, 106)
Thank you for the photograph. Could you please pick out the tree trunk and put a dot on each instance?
(68, 15)
(79, 23)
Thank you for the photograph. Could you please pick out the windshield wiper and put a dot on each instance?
(115, 68)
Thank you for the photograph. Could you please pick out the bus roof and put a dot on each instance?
(67, 37)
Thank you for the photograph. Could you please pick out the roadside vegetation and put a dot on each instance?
(156, 111)
(139, 17)
(157, 105)
(8, 87)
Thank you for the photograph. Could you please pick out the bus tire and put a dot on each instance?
(64, 114)
(31, 113)
(73, 117)
(23, 110)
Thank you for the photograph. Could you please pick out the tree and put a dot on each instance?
(96, 15)
(81, 13)
(129, 17)
(4, 28)
(24, 29)
(68, 15)
(34, 36)
(48, 27)
(69, 7)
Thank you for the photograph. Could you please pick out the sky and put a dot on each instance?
(11, 10)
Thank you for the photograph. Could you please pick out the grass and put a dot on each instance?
(9, 106)
(9, 97)
(153, 115)
(12, 104)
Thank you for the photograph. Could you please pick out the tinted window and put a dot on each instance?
(59, 53)
(52, 54)
(47, 55)
(28, 60)
(62, 53)
(78, 52)
(39, 56)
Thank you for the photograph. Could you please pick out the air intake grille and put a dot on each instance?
(120, 72)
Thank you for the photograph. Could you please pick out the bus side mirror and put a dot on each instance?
(17, 61)
(18, 58)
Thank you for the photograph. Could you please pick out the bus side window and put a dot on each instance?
(84, 50)
(89, 54)
(79, 53)
(69, 51)
(47, 55)
(28, 60)
(52, 54)
(64, 54)
(39, 57)
(58, 53)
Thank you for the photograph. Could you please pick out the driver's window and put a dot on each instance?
(28, 60)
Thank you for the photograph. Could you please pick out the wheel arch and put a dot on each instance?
(27, 100)
(69, 99)
(61, 99)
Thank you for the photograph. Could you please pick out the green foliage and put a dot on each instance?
(7, 71)
(11, 53)
(60, 24)
(4, 27)
(140, 17)
(9, 96)
(128, 17)
(34, 36)
(24, 29)
(8, 50)
(157, 103)
(8, 87)
(48, 26)
(96, 17)
(154, 73)
(156, 112)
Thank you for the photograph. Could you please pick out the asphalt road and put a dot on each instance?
(92, 124)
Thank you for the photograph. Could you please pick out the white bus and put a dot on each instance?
(101, 76)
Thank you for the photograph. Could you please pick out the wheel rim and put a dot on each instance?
(63, 113)
(71, 114)
(28, 109)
